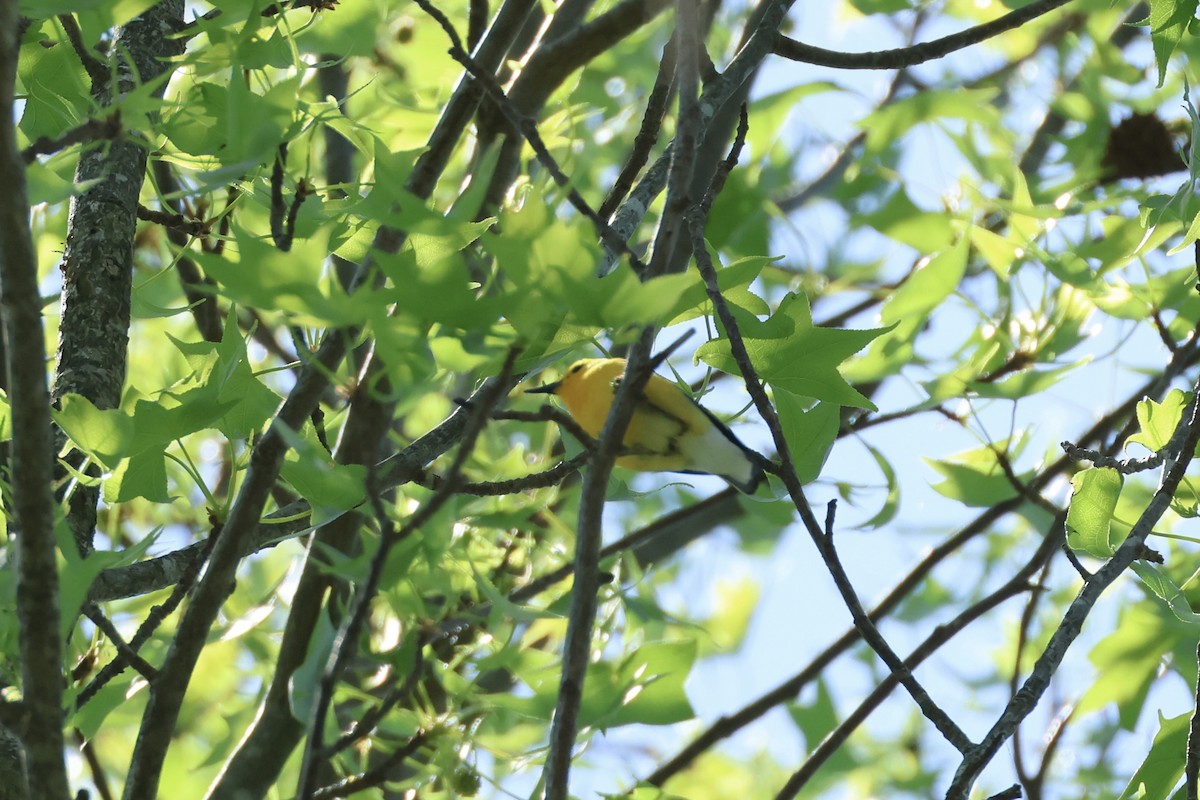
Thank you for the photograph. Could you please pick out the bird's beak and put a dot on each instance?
(549, 388)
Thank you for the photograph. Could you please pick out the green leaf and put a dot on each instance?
(156, 424)
(929, 285)
(887, 124)
(810, 432)
(902, 220)
(736, 599)
(975, 477)
(1089, 516)
(653, 678)
(1168, 21)
(1025, 383)
(56, 91)
(225, 366)
(732, 280)
(551, 265)
(999, 252)
(1157, 421)
(645, 687)
(1163, 766)
(815, 720)
(438, 288)
(769, 112)
(5, 418)
(891, 503)
(113, 695)
(305, 682)
(1158, 582)
(106, 435)
(792, 354)
(1127, 662)
(326, 484)
(258, 274)
(77, 574)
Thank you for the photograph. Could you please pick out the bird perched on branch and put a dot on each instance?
(669, 432)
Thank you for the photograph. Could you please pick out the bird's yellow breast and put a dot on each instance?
(663, 419)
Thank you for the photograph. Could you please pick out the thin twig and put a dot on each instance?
(871, 635)
(787, 690)
(917, 53)
(376, 776)
(823, 539)
(1059, 515)
(548, 413)
(87, 748)
(370, 720)
(190, 227)
(1125, 466)
(283, 216)
(150, 624)
(89, 130)
(130, 655)
(1054, 737)
(538, 480)
(755, 47)
(689, 129)
(836, 739)
(1011, 793)
(647, 135)
(868, 420)
(1014, 681)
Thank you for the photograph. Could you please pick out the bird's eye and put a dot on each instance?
(576, 368)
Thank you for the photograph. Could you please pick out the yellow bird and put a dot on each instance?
(669, 432)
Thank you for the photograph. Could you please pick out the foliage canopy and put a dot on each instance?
(287, 526)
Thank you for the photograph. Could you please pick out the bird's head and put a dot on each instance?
(588, 378)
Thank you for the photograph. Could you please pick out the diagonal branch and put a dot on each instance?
(1181, 451)
(823, 539)
(871, 635)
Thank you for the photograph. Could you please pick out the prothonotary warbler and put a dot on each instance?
(669, 432)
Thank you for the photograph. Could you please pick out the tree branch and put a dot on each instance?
(32, 474)
(917, 53)
(1182, 448)
(1191, 770)
(90, 130)
(526, 128)
(871, 635)
(716, 92)
(347, 639)
(97, 263)
(577, 647)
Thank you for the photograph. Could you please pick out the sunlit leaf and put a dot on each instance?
(1089, 517)
(789, 352)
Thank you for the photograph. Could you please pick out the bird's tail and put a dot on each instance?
(757, 471)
